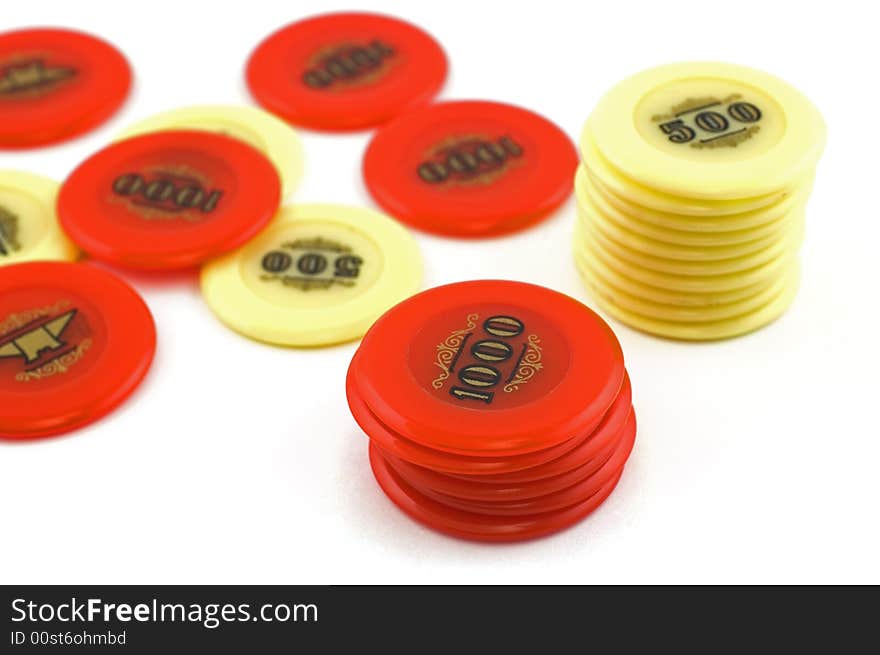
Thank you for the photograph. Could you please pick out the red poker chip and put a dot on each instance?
(345, 71)
(470, 168)
(470, 525)
(56, 84)
(490, 368)
(75, 341)
(169, 200)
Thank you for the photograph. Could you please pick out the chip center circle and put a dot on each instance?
(169, 188)
(489, 357)
(49, 339)
(311, 264)
(710, 119)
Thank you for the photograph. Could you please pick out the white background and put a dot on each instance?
(757, 458)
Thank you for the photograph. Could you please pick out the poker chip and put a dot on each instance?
(75, 341)
(318, 275)
(56, 84)
(496, 410)
(470, 168)
(29, 229)
(261, 130)
(345, 71)
(169, 200)
(692, 196)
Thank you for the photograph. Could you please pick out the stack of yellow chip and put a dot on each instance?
(691, 198)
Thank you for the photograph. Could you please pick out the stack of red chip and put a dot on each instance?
(496, 410)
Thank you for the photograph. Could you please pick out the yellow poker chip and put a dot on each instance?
(677, 313)
(588, 189)
(620, 185)
(318, 275)
(29, 229)
(259, 129)
(685, 283)
(721, 266)
(704, 331)
(708, 130)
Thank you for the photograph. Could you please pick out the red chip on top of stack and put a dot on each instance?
(496, 410)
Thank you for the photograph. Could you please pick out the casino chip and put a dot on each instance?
(260, 129)
(29, 229)
(318, 275)
(692, 196)
(56, 84)
(345, 71)
(75, 341)
(496, 411)
(470, 168)
(169, 200)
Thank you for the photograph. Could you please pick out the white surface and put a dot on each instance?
(756, 459)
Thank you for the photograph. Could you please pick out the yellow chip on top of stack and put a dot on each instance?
(691, 198)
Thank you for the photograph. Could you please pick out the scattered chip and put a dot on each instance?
(320, 274)
(169, 200)
(75, 341)
(345, 71)
(56, 84)
(708, 130)
(470, 168)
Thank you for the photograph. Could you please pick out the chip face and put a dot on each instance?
(470, 168)
(707, 130)
(259, 129)
(709, 120)
(56, 84)
(320, 274)
(490, 367)
(74, 342)
(345, 71)
(169, 200)
(29, 229)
